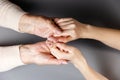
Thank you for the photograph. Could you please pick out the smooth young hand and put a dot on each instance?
(72, 29)
(63, 51)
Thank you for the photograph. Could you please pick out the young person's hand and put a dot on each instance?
(38, 53)
(63, 51)
(72, 29)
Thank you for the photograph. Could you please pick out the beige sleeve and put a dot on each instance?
(9, 58)
(10, 15)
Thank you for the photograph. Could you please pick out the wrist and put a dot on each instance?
(79, 61)
(82, 66)
(87, 31)
(25, 24)
(24, 54)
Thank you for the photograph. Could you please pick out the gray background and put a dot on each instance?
(101, 57)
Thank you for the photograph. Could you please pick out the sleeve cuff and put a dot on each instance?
(9, 58)
(10, 15)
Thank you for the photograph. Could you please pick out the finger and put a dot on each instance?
(69, 26)
(55, 28)
(59, 39)
(64, 47)
(59, 61)
(57, 53)
(64, 39)
(66, 23)
(44, 46)
(65, 33)
(52, 39)
(63, 19)
(65, 36)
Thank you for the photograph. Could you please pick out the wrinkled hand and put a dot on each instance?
(72, 29)
(38, 25)
(63, 51)
(38, 53)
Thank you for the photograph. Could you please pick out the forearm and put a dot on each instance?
(9, 58)
(110, 37)
(10, 15)
(88, 72)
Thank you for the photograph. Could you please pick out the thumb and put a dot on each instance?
(56, 29)
(57, 53)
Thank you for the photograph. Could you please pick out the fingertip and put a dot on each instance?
(53, 49)
(50, 39)
(48, 42)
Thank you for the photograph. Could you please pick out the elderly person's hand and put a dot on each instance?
(38, 53)
(72, 29)
(38, 25)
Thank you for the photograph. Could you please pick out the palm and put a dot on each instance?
(43, 56)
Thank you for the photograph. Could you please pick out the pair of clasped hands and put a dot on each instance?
(58, 31)
(54, 50)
